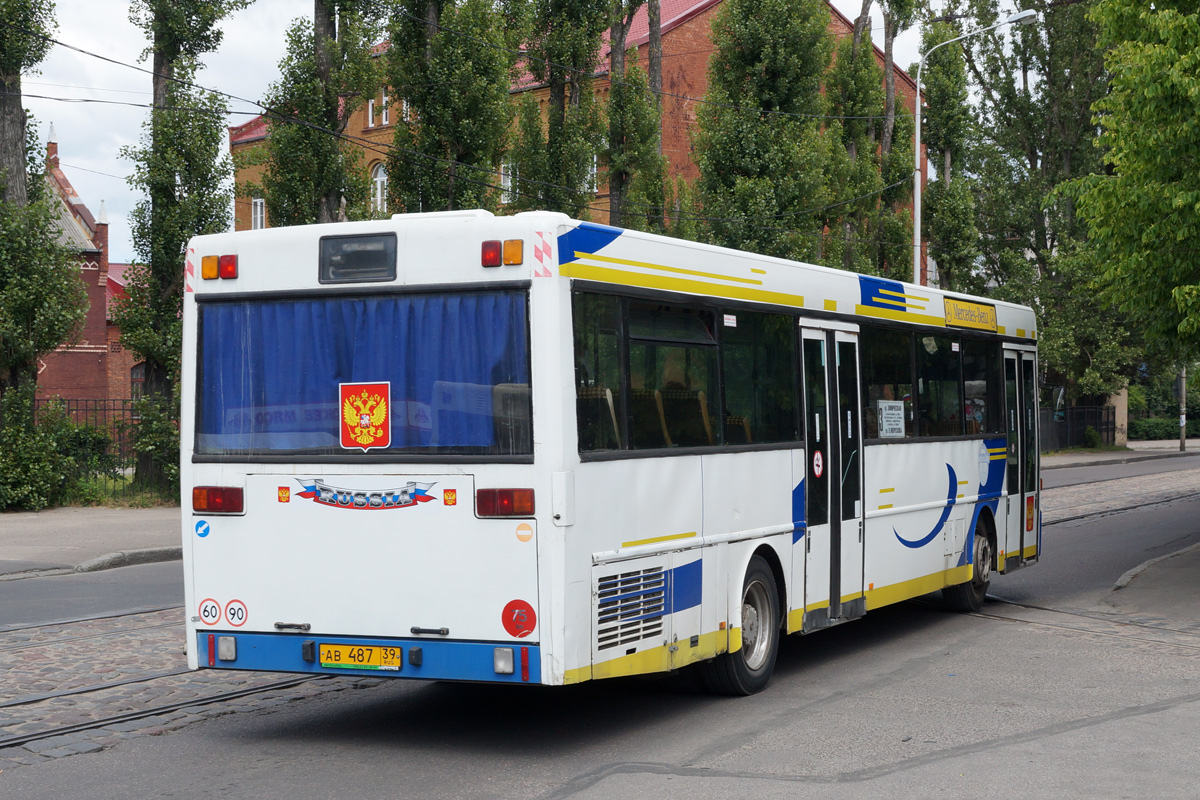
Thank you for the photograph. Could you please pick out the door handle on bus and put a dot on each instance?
(292, 626)
(435, 631)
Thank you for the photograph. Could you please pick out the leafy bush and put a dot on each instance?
(46, 461)
(1161, 428)
(1091, 437)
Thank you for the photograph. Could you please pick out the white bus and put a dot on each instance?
(530, 449)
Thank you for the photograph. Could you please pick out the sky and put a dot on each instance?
(91, 135)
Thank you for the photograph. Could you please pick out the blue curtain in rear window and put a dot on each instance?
(269, 370)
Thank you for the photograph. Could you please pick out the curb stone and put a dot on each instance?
(129, 558)
(1128, 577)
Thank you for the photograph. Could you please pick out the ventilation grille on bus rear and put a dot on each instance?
(630, 607)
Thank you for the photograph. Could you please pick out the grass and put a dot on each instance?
(118, 492)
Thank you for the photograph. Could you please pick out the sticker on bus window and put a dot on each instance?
(366, 423)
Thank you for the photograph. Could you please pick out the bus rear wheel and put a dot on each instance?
(969, 596)
(748, 670)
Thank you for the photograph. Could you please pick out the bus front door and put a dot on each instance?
(833, 479)
(1020, 394)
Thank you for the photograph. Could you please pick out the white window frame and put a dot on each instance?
(371, 113)
(507, 195)
(379, 182)
(258, 214)
(384, 108)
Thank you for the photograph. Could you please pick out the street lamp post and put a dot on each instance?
(1020, 18)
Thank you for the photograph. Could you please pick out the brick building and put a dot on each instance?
(96, 367)
(687, 47)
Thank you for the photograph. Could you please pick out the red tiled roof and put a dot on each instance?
(115, 287)
(250, 131)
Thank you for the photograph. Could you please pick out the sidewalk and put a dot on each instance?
(1138, 451)
(84, 539)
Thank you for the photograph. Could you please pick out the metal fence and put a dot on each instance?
(112, 424)
(1067, 427)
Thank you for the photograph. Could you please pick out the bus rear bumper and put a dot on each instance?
(425, 659)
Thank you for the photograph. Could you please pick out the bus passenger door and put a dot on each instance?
(1020, 394)
(833, 587)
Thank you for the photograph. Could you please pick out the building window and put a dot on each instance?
(379, 188)
(258, 213)
(137, 379)
(371, 113)
(384, 106)
(593, 174)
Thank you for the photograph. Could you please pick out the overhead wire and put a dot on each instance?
(392, 150)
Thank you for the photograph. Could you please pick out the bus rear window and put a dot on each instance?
(274, 374)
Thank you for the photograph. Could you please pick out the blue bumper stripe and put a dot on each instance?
(450, 661)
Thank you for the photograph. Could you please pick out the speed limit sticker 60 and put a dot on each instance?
(210, 612)
(235, 613)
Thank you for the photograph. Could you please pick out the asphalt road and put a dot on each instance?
(38, 601)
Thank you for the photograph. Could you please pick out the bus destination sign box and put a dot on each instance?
(963, 314)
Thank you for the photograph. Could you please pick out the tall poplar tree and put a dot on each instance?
(553, 160)
(448, 71)
(327, 73)
(949, 213)
(23, 45)
(181, 171)
(761, 147)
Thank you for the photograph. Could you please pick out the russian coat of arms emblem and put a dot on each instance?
(365, 415)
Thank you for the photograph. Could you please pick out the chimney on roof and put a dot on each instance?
(100, 239)
(52, 148)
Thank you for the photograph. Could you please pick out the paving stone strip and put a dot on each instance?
(53, 659)
(1066, 502)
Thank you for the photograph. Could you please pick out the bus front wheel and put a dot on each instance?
(969, 596)
(747, 670)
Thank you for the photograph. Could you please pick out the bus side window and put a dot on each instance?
(597, 371)
(758, 359)
(887, 369)
(939, 405)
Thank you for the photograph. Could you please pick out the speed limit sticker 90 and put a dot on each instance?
(210, 612)
(235, 613)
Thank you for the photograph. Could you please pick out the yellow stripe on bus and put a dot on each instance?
(663, 268)
(589, 272)
(658, 539)
(903, 316)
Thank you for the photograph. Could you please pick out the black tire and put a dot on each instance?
(969, 596)
(748, 670)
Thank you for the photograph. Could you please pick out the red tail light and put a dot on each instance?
(492, 253)
(504, 503)
(227, 266)
(217, 499)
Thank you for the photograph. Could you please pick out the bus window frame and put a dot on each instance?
(369, 457)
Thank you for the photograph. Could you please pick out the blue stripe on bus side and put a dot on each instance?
(989, 495)
(687, 584)
(451, 661)
(798, 512)
(587, 238)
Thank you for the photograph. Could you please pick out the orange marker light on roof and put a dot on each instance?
(490, 257)
(227, 266)
(208, 268)
(514, 252)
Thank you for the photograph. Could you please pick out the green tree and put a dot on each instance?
(23, 45)
(553, 161)
(448, 73)
(949, 218)
(179, 169)
(1035, 134)
(327, 73)
(43, 301)
(636, 166)
(855, 89)
(1143, 211)
(763, 161)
